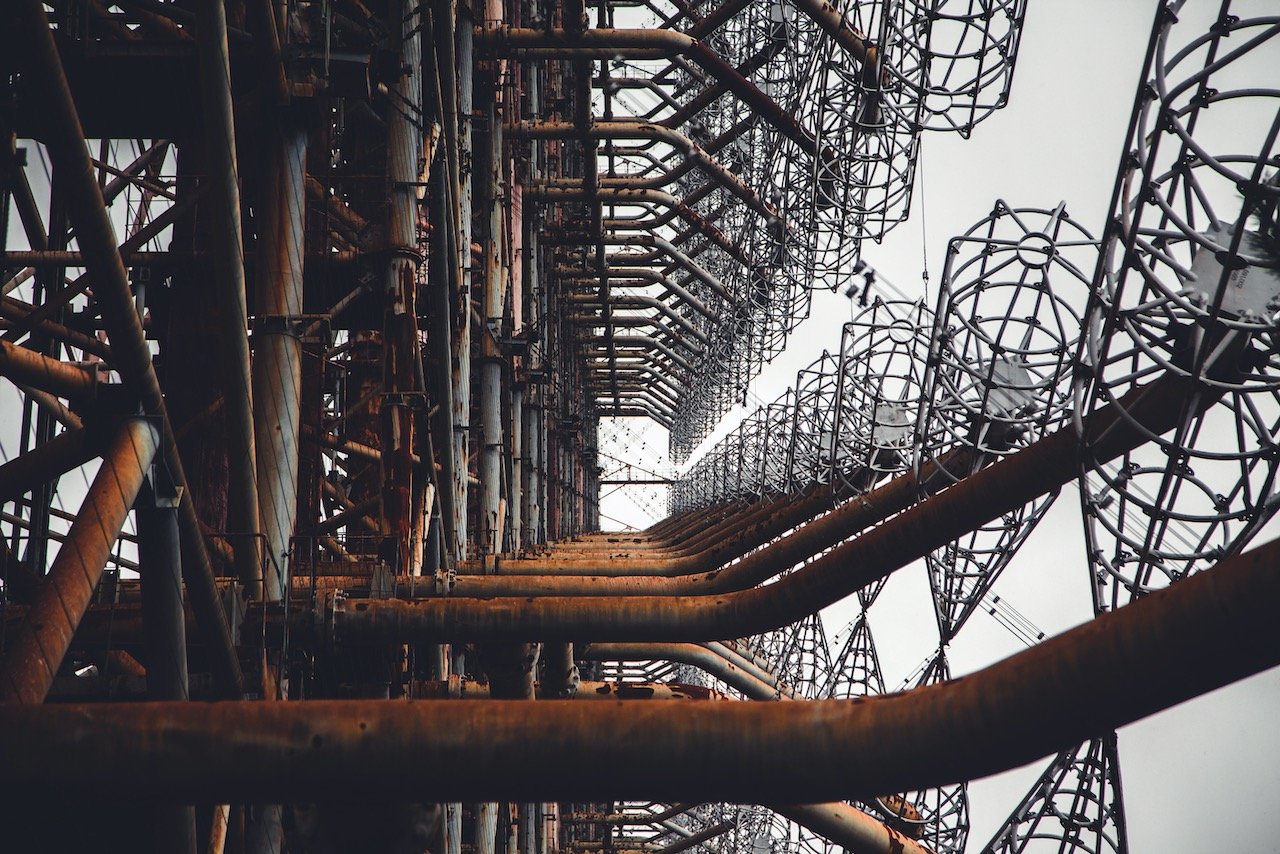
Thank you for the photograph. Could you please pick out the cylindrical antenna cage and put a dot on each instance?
(868, 144)
(1191, 273)
(779, 421)
(812, 454)
(956, 57)
(1013, 293)
(1189, 284)
(882, 360)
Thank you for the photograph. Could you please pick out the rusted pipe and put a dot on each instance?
(692, 654)
(37, 370)
(19, 314)
(832, 21)
(64, 452)
(731, 539)
(1198, 635)
(36, 651)
(1004, 486)
(627, 197)
(850, 828)
(753, 522)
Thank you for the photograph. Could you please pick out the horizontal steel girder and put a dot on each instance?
(913, 533)
(1198, 635)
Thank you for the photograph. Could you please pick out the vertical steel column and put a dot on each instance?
(517, 449)
(277, 369)
(164, 625)
(528, 828)
(452, 829)
(228, 263)
(401, 356)
(487, 828)
(445, 273)
(42, 640)
(462, 340)
(533, 472)
(489, 178)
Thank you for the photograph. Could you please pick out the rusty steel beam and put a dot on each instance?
(36, 651)
(64, 452)
(1004, 486)
(131, 355)
(64, 379)
(1198, 635)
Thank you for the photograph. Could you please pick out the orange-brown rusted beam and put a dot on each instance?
(1200, 634)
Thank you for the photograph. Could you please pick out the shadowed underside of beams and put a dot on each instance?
(1205, 632)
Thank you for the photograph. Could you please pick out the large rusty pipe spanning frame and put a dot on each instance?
(131, 354)
(41, 642)
(1202, 633)
(709, 545)
(668, 531)
(704, 547)
(912, 534)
